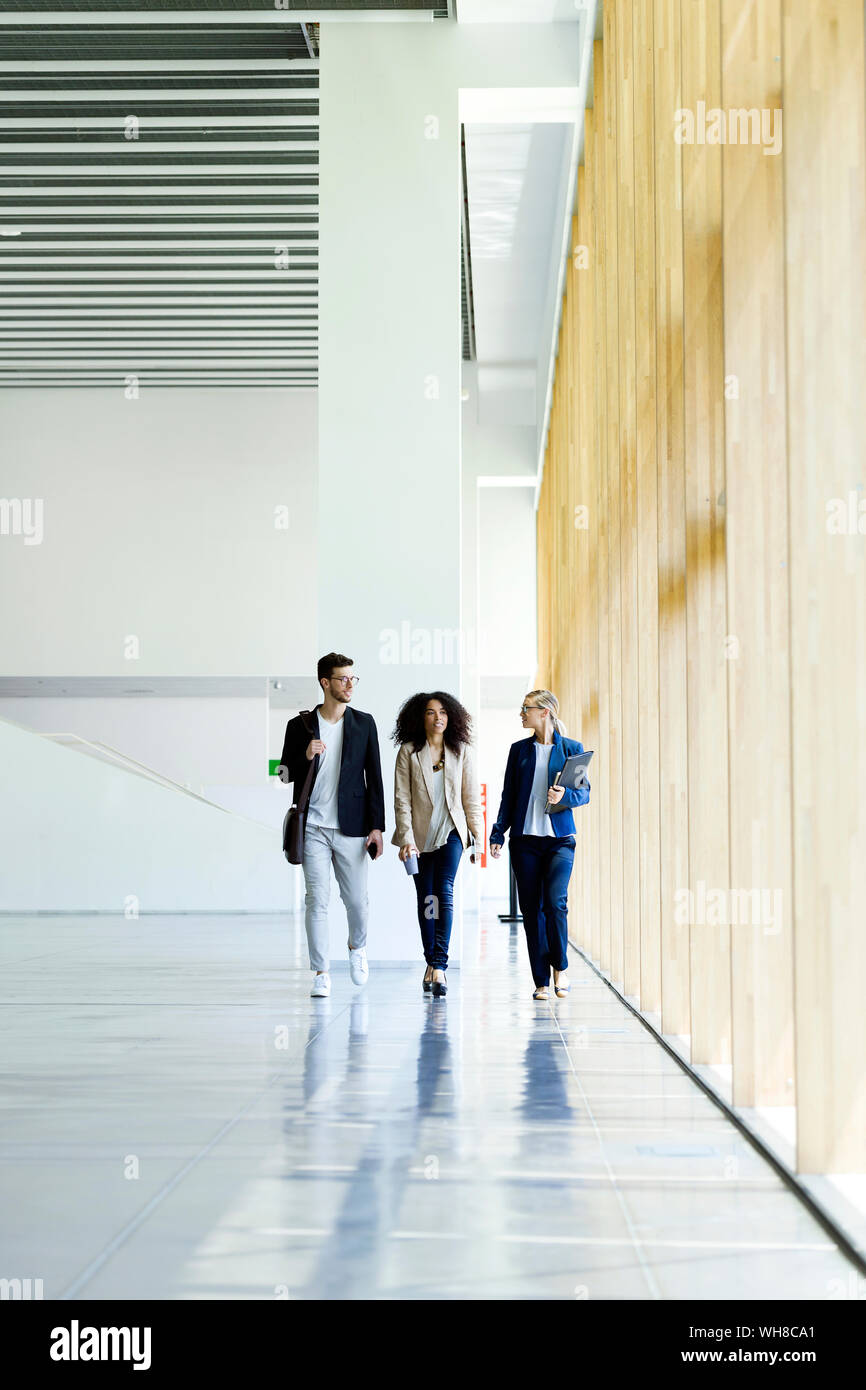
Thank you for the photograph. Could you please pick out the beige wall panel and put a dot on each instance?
(756, 470)
(710, 949)
(600, 777)
(586, 274)
(614, 749)
(670, 405)
(628, 498)
(647, 507)
(825, 220)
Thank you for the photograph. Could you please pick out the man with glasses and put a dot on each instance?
(345, 816)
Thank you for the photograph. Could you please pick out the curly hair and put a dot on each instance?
(409, 727)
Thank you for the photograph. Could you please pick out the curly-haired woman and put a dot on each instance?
(437, 808)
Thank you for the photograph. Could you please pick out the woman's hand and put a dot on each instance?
(495, 850)
(555, 794)
(406, 851)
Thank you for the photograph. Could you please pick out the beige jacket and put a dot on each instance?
(413, 795)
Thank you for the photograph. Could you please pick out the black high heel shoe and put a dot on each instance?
(439, 987)
(427, 985)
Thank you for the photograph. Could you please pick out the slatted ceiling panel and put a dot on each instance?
(160, 257)
(156, 257)
(116, 43)
(442, 10)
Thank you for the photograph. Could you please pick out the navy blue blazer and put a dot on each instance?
(517, 787)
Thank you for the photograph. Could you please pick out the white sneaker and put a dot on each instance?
(358, 967)
(321, 986)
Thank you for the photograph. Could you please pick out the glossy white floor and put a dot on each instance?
(181, 1121)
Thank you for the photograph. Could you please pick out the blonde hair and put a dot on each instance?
(547, 700)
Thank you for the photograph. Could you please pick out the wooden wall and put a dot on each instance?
(702, 560)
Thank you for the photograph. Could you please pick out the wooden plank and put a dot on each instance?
(614, 750)
(824, 153)
(580, 533)
(628, 499)
(586, 273)
(601, 764)
(710, 949)
(673, 742)
(756, 470)
(571, 633)
(646, 529)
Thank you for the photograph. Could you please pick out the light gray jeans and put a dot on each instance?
(323, 847)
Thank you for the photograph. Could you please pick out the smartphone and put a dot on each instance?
(371, 849)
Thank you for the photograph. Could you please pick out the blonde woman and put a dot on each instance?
(541, 840)
(437, 807)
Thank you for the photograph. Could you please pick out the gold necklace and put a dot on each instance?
(437, 767)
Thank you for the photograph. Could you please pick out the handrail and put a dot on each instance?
(140, 769)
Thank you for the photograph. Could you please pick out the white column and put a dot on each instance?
(389, 396)
(389, 534)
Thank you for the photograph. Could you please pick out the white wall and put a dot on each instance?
(491, 448)
(159, 513)
(77, 833)
(389, 393)
(500, 728)
(498, 585)
(159, 523)
(194, 740)
(507, 522)
(389, 378)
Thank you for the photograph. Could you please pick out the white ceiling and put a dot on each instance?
(513, 175)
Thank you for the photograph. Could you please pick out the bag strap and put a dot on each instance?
(311, 770)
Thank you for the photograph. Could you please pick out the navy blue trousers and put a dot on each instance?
(434, 885)
(542, 867)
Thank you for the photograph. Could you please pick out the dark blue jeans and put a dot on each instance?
(542, 867)
(434, 885)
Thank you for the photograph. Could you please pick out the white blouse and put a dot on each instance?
(537, 820)
(441, 821)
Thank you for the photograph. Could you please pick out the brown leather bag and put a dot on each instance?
(295, 823)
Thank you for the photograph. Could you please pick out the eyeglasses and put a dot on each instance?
(524, 708)
(345, 680)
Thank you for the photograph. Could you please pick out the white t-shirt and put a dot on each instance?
(441, 822)
(537, 820)
(323, 800)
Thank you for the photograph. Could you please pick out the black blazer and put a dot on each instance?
(360, 795)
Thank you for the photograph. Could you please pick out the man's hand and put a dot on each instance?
(555, 794)
(314, 746)
(406, 851)
(495, 850)
(375, 838)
